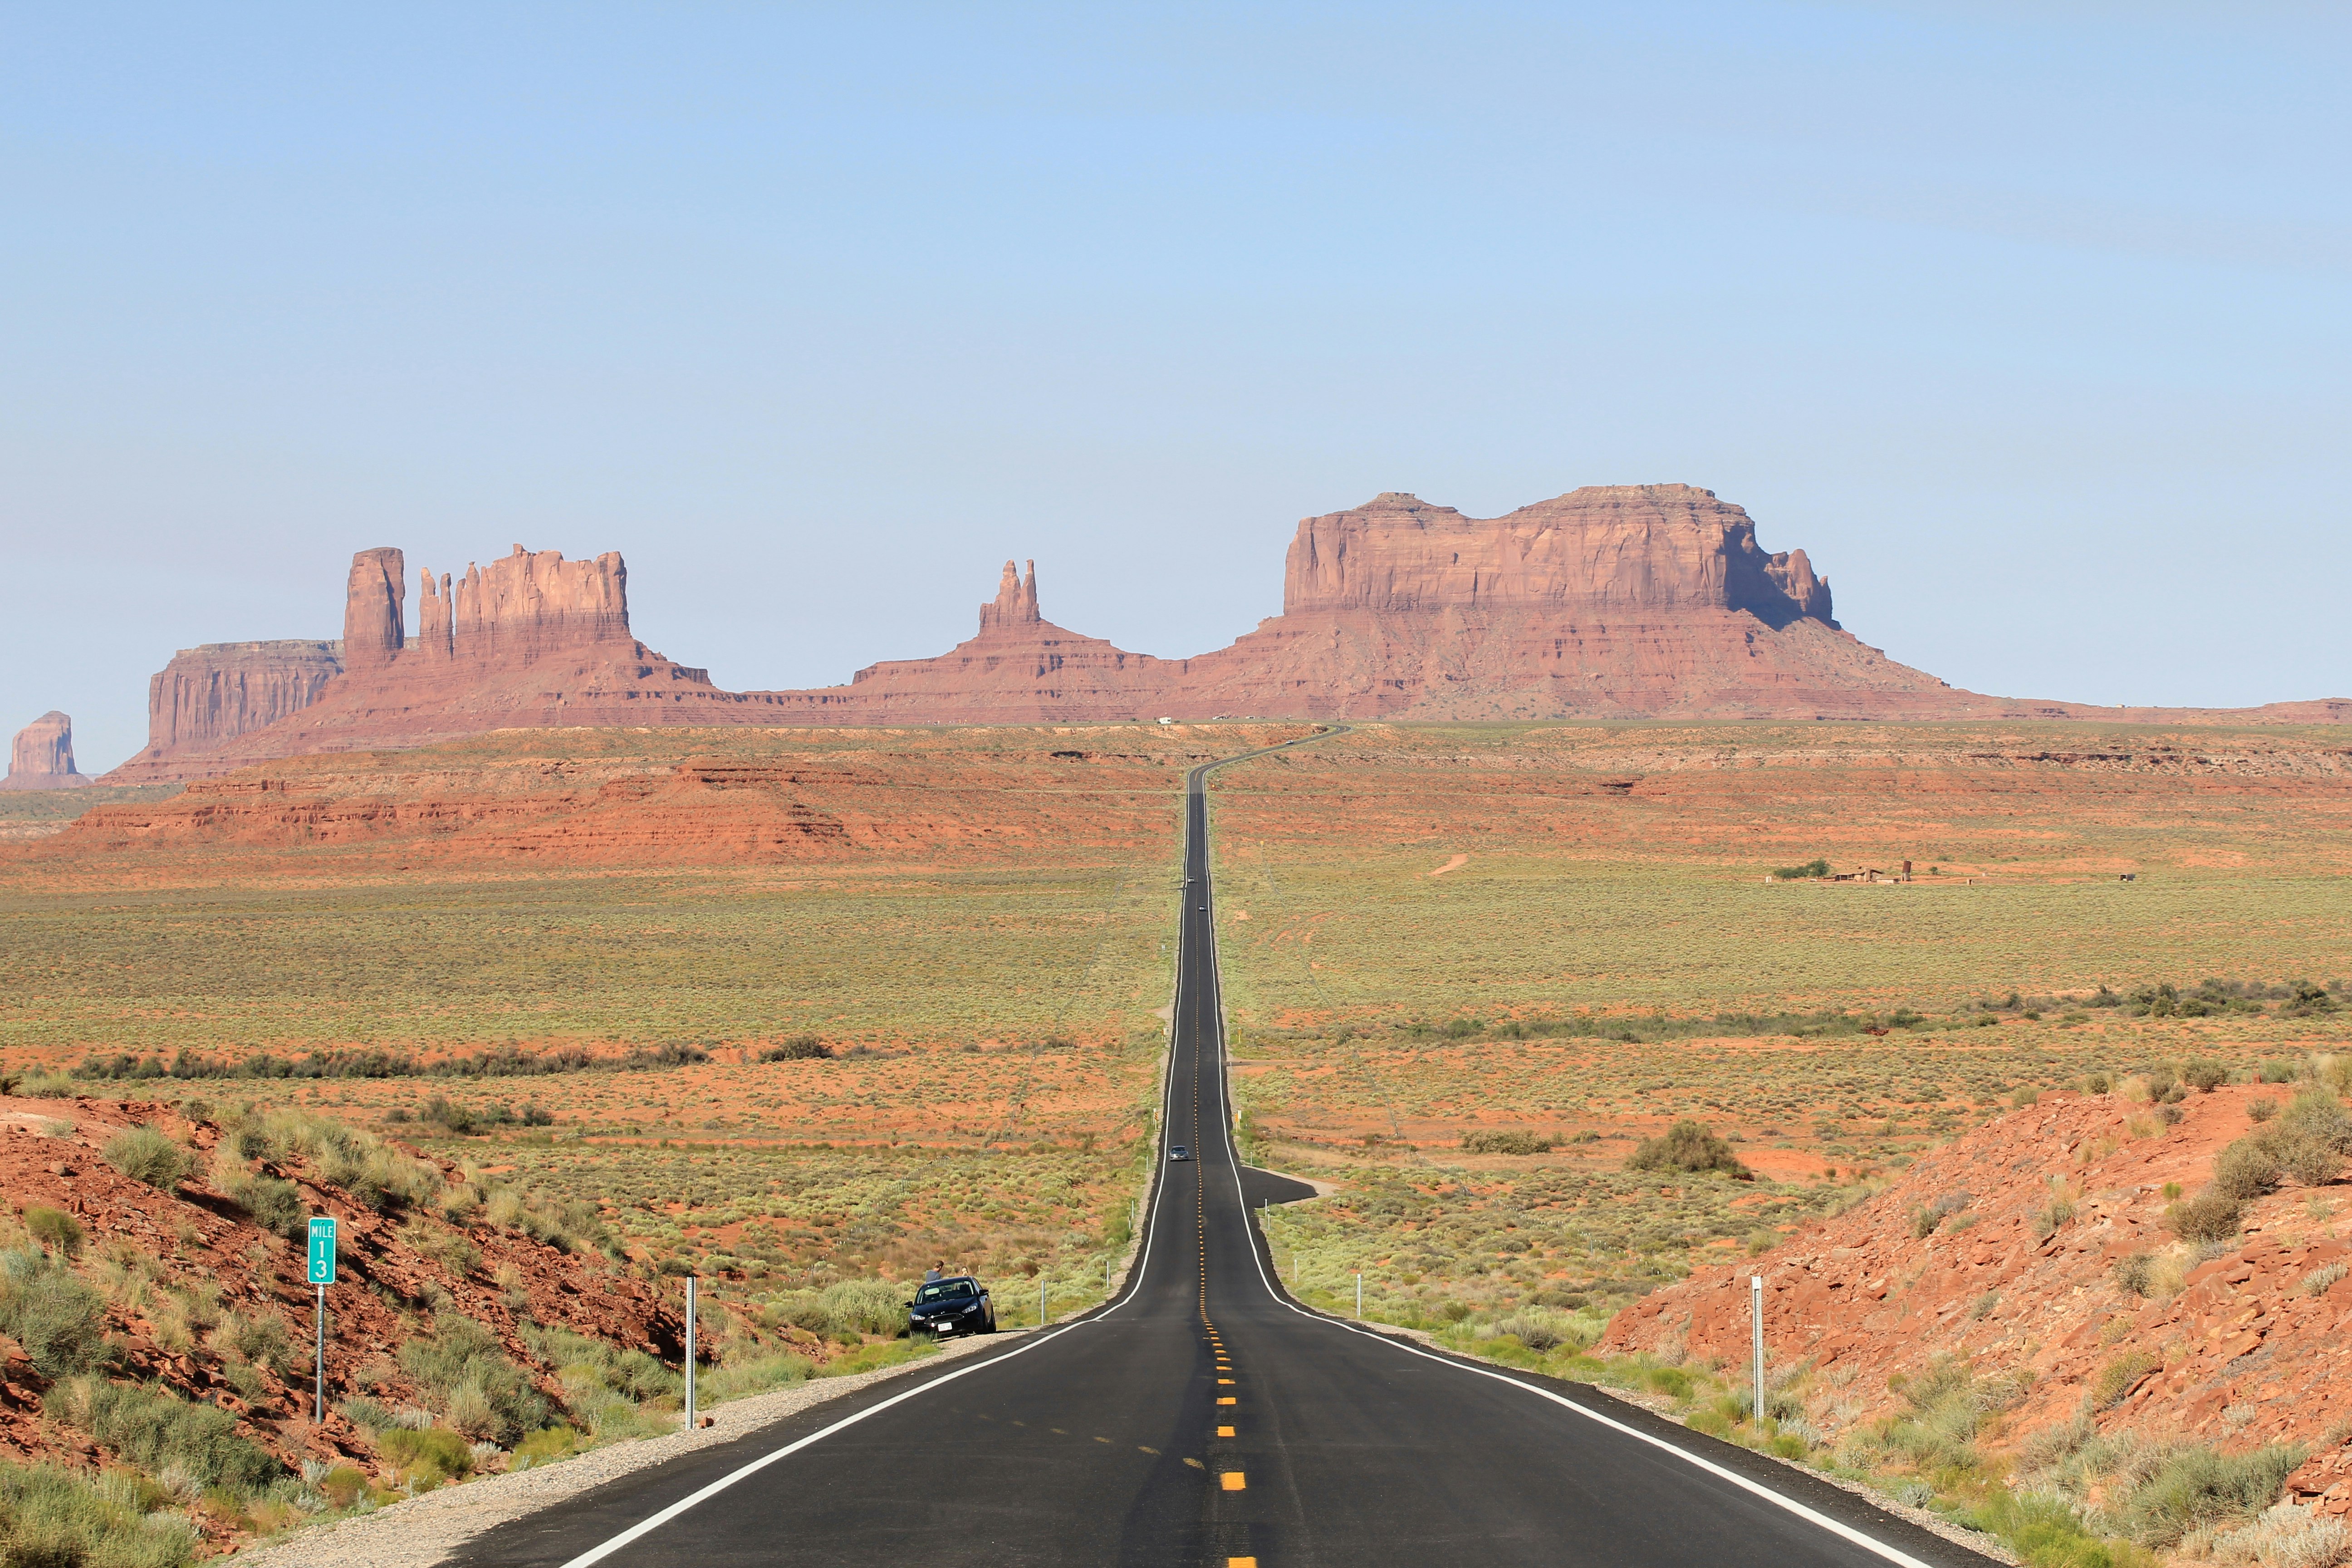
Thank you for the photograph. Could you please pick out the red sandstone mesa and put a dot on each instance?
(1610, 602)
(42, 757)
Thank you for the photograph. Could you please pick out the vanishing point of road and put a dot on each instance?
(1203, 1419)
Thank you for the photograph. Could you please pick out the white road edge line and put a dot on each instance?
(1134, 1288)
(598, 1553)
(1812, 1516)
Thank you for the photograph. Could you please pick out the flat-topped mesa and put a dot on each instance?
(211, 693)
(42, 757)
(1604, 547)
(1014, 608)
(523, 607)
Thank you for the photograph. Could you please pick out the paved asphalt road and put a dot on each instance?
(1204, 1418)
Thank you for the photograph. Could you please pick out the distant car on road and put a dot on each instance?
(956, 1305)
(1179, 1153)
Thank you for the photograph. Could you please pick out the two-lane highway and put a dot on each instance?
(1204, 1418)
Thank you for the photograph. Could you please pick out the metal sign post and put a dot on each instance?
(1756, 1331)
(322, 1274)
(690, 1352)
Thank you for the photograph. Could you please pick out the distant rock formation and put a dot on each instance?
(1610, 602)
(1616, 601)
(532, 639)
(374, 621)
(215, 692)
(42, 757)
(1614, 548)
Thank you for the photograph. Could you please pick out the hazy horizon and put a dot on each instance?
(2031, 330)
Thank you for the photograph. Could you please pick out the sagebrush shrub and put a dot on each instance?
(59, 1321)
(463, 1365)
(146, 1155)
(1687, 1145)
(154, 1428)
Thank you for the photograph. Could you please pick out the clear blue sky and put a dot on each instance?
(2028, 321)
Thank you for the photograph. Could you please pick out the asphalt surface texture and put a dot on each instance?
(1203, 1417)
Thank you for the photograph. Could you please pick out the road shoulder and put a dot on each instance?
(418, 1533)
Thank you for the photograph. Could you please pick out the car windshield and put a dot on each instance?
(946, 1290)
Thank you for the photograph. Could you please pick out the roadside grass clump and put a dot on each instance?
(468, 1378)
(55, 1518)
(2318, 1281)
(59, 1321)
(155, 1429)
(341, 1155)
(2282, 1536)
(617, 1394)
(2119, 1377)
(427, 1457)
(848, 1308)
(2133, 1274)
(2194, 1485)
(258, 1338)
(875, 1357)
(750, 1370)
(146, 1155)
(1687, 1145)
(545, 1446)
(271, 1202)
(55, 1230)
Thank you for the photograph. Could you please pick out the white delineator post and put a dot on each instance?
(690, 1352)
(1756, 1333)
(1360, 1292)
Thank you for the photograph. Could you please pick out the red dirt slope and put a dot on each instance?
(197, 1237)
(2261, 1332)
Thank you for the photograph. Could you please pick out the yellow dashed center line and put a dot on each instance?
(1226, 1399)
(1233, 1481)
(1225, 1431)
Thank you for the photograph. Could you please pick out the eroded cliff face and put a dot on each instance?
(41, 756)
(210, 694)
(523, 607)
(1618, 548)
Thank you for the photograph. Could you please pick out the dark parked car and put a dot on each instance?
(956, 1305)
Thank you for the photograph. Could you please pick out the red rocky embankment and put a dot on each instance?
(148, 1251)
(2250, 1347)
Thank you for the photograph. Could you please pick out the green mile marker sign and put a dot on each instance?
(322, 1250)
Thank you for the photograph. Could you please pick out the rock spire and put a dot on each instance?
(372, 601)
(1016, 606)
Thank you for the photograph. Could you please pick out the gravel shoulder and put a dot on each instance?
(417, 1533)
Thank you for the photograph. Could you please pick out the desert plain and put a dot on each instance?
(803, 1011)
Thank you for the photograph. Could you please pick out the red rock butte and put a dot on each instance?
(41, 756)
(1610, 602)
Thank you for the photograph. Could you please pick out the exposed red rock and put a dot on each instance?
(372, 619)
(213, 693)
(2255, 1333)
(42, 757)
(1626, 601)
